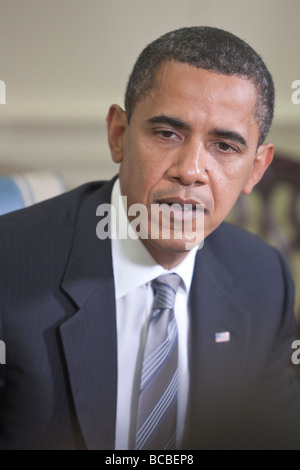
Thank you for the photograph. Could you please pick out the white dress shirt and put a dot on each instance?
(134, 269)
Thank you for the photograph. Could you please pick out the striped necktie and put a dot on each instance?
(157, 407)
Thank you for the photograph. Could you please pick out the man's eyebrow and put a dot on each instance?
(178, 123)
(231, 135)
(169, 120)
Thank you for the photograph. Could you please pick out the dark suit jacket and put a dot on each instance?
(57, 319)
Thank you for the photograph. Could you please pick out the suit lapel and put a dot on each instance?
(217, 369)
(89, 337)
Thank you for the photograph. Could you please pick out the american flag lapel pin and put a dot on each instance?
(222, 337)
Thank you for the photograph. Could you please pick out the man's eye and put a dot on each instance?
(166, 134)
(226, 147)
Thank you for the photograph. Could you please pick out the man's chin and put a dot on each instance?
(169, 253)
(173, 245)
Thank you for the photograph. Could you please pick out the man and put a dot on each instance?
(76, 307)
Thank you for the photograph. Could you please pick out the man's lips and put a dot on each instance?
(180, 201)
(179, 208)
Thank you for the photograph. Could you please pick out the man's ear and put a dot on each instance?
(116, 126)
(263, 159)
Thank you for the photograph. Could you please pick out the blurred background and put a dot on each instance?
(65, 61)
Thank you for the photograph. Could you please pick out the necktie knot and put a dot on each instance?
(165, 288)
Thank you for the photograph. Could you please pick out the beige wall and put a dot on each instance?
(65, 61)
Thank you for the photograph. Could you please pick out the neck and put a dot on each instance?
(167, 258)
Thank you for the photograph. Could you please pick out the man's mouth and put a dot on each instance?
(180, 209)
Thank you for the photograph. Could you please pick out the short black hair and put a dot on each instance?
(208, 48)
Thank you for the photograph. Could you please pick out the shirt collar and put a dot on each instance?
(132, 263)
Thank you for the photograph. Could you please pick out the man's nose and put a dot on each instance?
(190, 165)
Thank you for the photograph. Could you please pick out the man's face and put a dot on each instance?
(192, 139)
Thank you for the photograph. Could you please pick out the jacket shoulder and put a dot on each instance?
(258, 268)
(231, 239)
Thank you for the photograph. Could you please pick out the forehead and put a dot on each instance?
(197, 93)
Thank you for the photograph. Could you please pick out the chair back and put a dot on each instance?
(19, 190)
